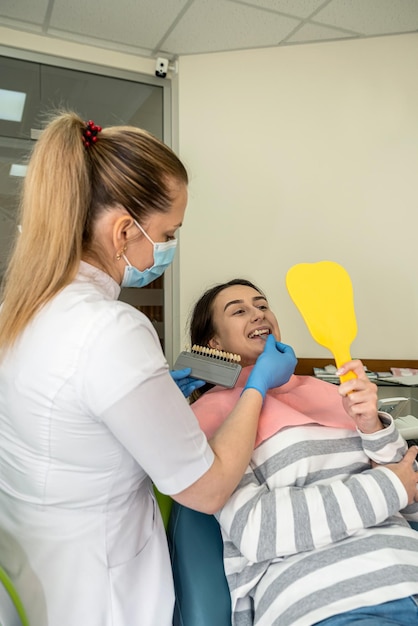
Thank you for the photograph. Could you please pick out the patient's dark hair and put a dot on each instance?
(201, 320)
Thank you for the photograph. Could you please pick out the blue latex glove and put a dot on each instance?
(185, 382)
(273, 368)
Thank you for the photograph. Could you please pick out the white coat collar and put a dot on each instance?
(107, 285)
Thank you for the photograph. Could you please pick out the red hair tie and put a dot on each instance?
(90, 133)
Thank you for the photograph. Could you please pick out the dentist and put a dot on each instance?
(89, 414)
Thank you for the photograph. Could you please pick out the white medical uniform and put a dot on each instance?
(89, 415)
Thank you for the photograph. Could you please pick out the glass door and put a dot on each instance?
(35, 86)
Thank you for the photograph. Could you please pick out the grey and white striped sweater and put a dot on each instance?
(313, 531)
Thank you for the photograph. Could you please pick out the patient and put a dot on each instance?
(316, 532)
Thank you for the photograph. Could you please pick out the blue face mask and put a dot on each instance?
(163, 257)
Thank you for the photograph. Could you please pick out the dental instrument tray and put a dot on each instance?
(213, 366)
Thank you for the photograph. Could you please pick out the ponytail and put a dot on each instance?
(53, 212)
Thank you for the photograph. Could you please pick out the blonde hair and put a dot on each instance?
(66, 187)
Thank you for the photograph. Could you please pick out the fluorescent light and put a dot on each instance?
(11, 105)
(18, 170)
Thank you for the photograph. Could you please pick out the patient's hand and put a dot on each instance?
(406, 474)
(360, 398)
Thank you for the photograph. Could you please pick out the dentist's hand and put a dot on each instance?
(185, 382)
(273, 368)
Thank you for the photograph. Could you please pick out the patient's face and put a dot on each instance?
(240, 315)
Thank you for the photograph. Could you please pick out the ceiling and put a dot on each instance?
(171, 28)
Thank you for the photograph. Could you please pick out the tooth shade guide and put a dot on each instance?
(216, 354)
(213, 366)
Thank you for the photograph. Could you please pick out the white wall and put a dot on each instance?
(300, 154)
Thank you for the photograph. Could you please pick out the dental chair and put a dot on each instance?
(12, 612)
(201, 588)
(196, 548)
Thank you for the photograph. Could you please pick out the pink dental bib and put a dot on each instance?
(302, 400)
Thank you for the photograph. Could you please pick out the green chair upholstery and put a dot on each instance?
(165, 504)
(12, 612)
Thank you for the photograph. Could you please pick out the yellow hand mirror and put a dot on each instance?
(324, 296)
